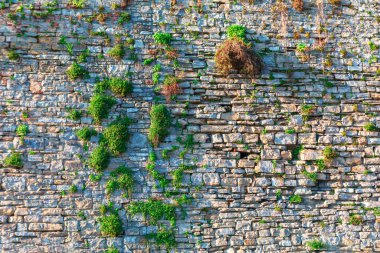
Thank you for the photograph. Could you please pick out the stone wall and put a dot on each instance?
(247, 130)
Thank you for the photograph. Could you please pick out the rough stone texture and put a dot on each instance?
(243, 156)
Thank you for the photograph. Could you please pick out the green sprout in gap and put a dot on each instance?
(85, 133)
(110, 222)
(74, 114)
(153, 210)
(162, 38)
(13, 160)
(117, 52)
(164, 237)
(295, 199)
(115, 136)
(160, 123)
(316, 244)
(99, 158)
(121, 179)
(236, 31)
(76, 71)
(150, 166)
(100, 106)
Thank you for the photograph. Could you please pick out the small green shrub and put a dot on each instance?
(306, 111)
(110, 224)
(73, 189)
(321, 164)
(296, 151)
(164, 237)
(13, 160)
(120, 87)
(148, 61)
(22, 130)
(370, 127)
(76, 71)
(95, 177)
(290, 131)
(150, 166)
(74, 114)
(121, 179)
(313, 176)
(116, 136)
(236, 31)
(301, 47)
(316, 244)
(124, 18)
(85, 133)
(295, 199)
(329, 154)
(162, 38)
(160, 123)
(13, 56)
(79, 4)
(112, 249)
(355, 219)
(153, 210)
(99, 158)
(117, 52)
(100, 106)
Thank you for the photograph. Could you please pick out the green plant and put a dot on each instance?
(95, 177)
(178, 174)
(13, 160)
(301, 47)
(236, 31)
(100, 106)
(321, 164)
(295, 199)
(370, 127)
(329, 154)
(124, 17)
(110, 224)
(162, 38)
(148, 61)
(372, 46)
(73, 189)
(81, 215)
(13, 56)
(296, 151)
(112, 249)
(355, 219)
(83, 56)
(85, 133)
(22, 130)
(74, 114)
(120, 87)
(163, 237)
(121, 179)
(117, 52)
(153, 210)
(76, 71)
(290, 131)
(99, 158)
(79, 4)
(316, 244)
(313, 176)
(150, 166)
(306, 111)
(160, 123)
(116, 135)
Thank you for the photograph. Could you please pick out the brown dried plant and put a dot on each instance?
(235, 54)
(170, 87)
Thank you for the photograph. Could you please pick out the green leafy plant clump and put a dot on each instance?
(121, 179)
(162, 38)
(85, 133)
(112, 249)
(316, 244)
(116, 136)
(76, 71)
(153, 210)
(110, 222)
(22, 130)
(100, 106)
(355, 219)
(164, 237)
(99, 158)
(13, 160)
(295, 199)
(236, 31)
(79, 4)
(370, 127)
(329, 154)
(150, 166)
(74, 114)
(13, 56)
(160, 123)
(120, 87)
(117, 52)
